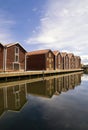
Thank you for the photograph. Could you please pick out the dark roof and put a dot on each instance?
(12, 44)
(37, 52)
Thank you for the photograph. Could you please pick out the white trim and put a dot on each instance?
(16, 54)
(12, 44)
(16, 63)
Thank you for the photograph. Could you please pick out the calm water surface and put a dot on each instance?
(54, 103)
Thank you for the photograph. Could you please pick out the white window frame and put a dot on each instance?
(16, 54)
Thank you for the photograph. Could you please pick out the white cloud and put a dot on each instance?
(5, 27)
(84, 59)
(64, 26)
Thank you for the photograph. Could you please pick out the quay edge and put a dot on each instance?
(14, 76)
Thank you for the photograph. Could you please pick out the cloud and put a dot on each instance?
(84, 59)
(64, 26)
(5, 27)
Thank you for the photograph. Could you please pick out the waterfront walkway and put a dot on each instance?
(14, 83)
(10, 76)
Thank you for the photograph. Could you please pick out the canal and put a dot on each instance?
(51, 103)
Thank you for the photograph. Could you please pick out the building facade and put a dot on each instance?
(71, 61)
(12, 57)
(40, 60)
(77, 62)
(58, 60)
(15, 57)
(65, 61)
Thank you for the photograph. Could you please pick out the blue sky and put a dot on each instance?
(41, 24)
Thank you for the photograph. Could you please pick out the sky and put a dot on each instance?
(46, 24)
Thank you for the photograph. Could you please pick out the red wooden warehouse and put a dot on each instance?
(65, 60)
(58, 60)
(15, 57)
(71, 61)
(12, 57)
(40, 60)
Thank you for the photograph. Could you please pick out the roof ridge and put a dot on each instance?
(43, 51)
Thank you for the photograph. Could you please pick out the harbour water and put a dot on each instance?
(51, 103)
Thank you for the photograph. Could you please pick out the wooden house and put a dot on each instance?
(65, 58)
(40, 60)
(77, 62)
(58, 60)
(71, 61)
(1, 57)
(14, 57)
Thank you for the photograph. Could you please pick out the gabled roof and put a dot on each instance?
(70, 55)
(37, 52)
(78, 57)
(56, 52)
(12, 44)
(1, 44)
(63, 54)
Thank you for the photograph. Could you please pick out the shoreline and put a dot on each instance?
(16, 76)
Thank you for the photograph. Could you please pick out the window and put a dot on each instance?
(50, 60)
(17, 58)
(16, 50)
(16, 66)
(49, 54)
(16, 54)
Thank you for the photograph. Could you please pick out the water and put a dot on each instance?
(53, 103)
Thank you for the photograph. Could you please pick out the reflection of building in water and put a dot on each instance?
(12, 98)
(61, 84)
(74, 80)
(71, 81)
(77, 79)
(44, 88)
(16, 97)
(64, 83)
(58, 85)
(65, 86)
(1, 101)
